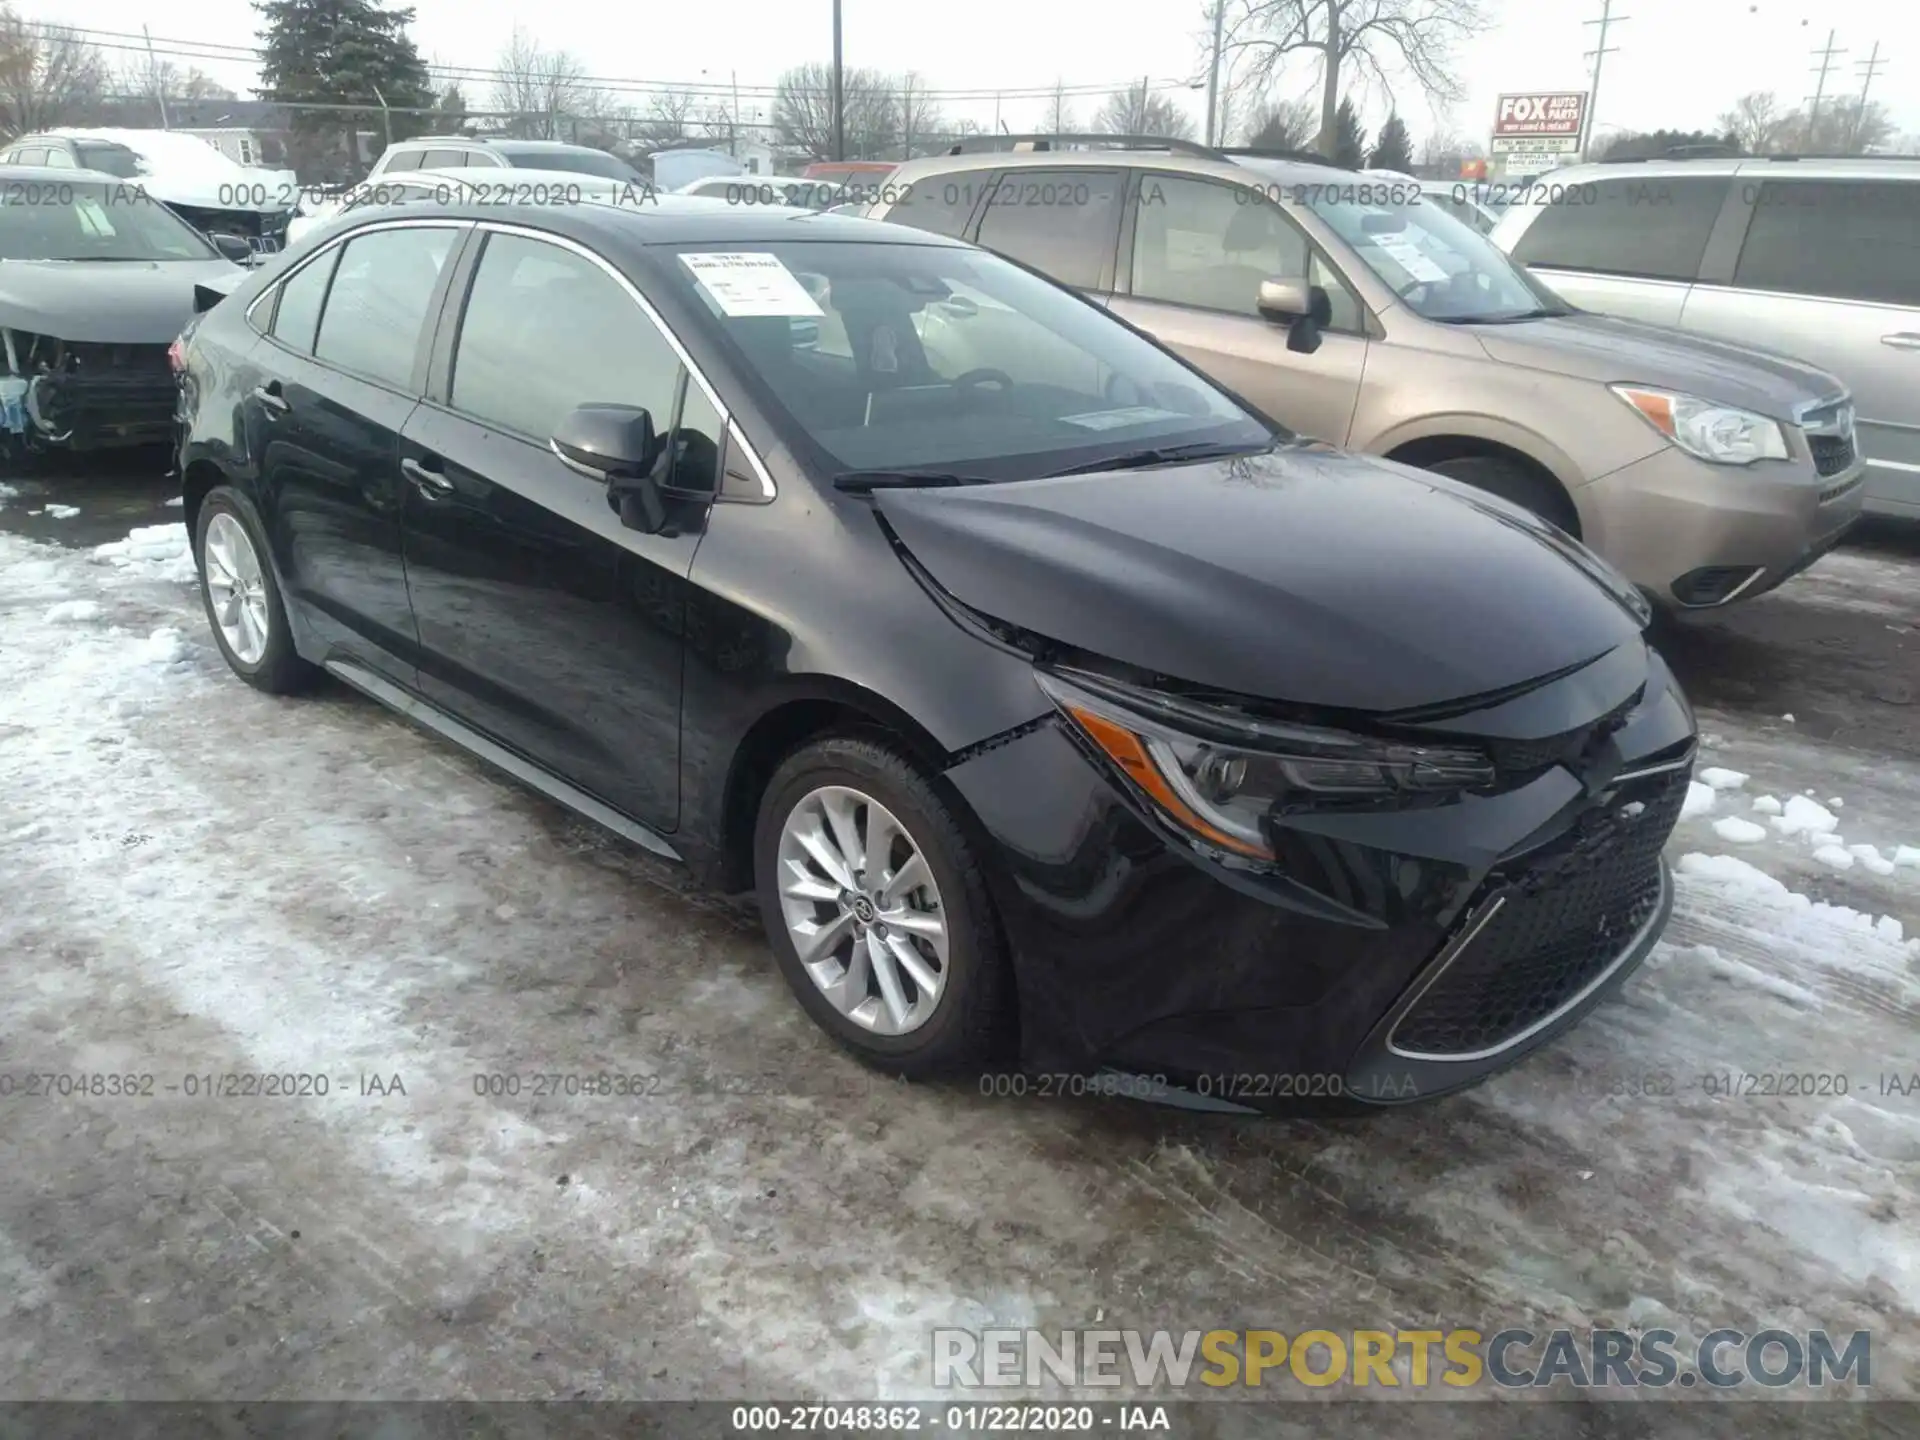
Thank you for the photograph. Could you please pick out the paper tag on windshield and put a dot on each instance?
(750, 283)
(1410, 258)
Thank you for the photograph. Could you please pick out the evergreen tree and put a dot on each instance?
(1349, 137)
(1394, 149)
(341, 52)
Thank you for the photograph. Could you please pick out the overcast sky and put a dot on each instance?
(1679, 62)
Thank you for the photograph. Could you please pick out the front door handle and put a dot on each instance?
(270, 397)
(1905, 340)
(430, 483)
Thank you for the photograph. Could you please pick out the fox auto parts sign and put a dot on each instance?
(1556, 115)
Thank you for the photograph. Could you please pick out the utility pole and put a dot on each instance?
(1868, 69)
(839, 93)
(1598, 55)
(733, 127)
(1213, 70)
(159, 83)
(1820, 90)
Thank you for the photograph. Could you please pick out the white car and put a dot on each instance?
(502, 186)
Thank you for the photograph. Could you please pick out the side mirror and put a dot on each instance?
(1304, 309)
(234, 247)
(615, 444)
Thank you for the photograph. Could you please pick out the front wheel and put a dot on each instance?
(242, 598)
(1513, 483)
(877, 910)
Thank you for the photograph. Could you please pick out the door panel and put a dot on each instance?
(1851, 339)
(544, 622)
(1312, 394)
(330, 497)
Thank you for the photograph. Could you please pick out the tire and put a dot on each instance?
(968, 1022)
(1513, 482)
(277, 667)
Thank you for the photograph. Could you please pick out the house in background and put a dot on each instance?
(247, 132)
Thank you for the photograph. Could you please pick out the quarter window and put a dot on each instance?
(444, 160)
(297, 315)
(941, 204)
(401, 160)
(1198, 243)
(546, 330)
(1061, 222)
(378, 303)
(1845, 239)
(1655, 227)
(58, 158)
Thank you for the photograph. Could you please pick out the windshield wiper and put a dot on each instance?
(1162, 455)
(1544, 312)
(861, 481)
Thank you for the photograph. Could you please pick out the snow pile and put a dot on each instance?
(1870, 856)
(1736, 831)
(1804, 816)
(1723, 779)
(1834, 858)
(1907, 855)
(1698, 802)
(1791, 916)
(63, 512)
(1766, 804)
(156, 552)
(167, 647)
(68, 610)
(7, 492)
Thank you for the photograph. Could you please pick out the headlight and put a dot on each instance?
(1218, 775)
(1723, 434)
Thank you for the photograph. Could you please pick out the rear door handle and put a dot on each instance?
(269, 396)
(430, 483)
(1905, 340)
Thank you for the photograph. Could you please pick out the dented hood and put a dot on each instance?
(119, 302)
(1305, 575)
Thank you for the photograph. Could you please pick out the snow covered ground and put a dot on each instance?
(196, 879)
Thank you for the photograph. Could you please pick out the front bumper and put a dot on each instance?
(115, 397)
(1391, 956)
(1696, 536)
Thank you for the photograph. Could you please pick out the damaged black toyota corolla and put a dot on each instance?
(1047, 696)
(96, 281)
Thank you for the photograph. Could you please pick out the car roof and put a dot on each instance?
(695, 219)
(1226, 166)
(46, 176)
(521, 175)
(1777, 167)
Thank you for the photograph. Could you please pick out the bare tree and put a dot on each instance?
(1849, 128)
(1444, 152)
(1368, 39)
(803, 111)
(1059, 120)
(921, 119)
(1136, 110)
(538, 86)
(47, 74)
(1282, 125)
(1759, 123)
(673, 117)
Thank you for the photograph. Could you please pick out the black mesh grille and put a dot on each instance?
(1567, 914)
(1831, 453)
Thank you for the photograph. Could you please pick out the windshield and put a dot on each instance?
(575, 162)
(80, 221)
(890, 357)
(108, 159)
(1441, 267)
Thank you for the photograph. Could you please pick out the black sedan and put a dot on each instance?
(1054, 702)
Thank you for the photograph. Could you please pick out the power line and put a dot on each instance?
(223, 52)
(1599, 55)
(1820, 90)
(1868, 68)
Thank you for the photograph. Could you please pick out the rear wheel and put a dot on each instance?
(1514, 482)
(242, 598)
(877, 910)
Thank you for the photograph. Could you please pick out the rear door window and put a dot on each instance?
(444, 160)
(1842, 239)
(1061, 222)
(377, 305)
(297, 315)
(401, 160)
(1650, 226)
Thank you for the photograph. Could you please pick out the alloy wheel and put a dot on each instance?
(863, 910)
(237, 588)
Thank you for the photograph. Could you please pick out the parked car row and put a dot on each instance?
(1055, 701)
